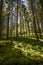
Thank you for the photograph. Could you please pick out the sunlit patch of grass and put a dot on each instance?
(30, 50)
(41, 40)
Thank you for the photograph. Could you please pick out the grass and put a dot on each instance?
(23, 51)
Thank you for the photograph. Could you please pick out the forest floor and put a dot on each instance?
(22, 51)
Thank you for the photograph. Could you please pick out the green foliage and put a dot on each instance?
(23, 51)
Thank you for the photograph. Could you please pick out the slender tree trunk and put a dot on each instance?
(28, 28)
(11, 21)
(8, 27)
(1, 20)
(23, 26)
(20, 26)
(17, 21)
(41, 2)
(8, 21)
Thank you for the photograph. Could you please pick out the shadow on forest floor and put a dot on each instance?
(27, 40)
(22, 51)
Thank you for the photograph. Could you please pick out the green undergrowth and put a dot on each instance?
(22, 51)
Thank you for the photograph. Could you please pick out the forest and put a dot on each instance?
(21, 32)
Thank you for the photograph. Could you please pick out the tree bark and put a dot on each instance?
(17, 21)
(1, 20)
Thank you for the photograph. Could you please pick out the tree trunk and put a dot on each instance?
(1, 20)
(8, 27)
(17, 21)
(28, 28)
(39, 30)
(20, 26)
(8, 20)
(41, 2)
